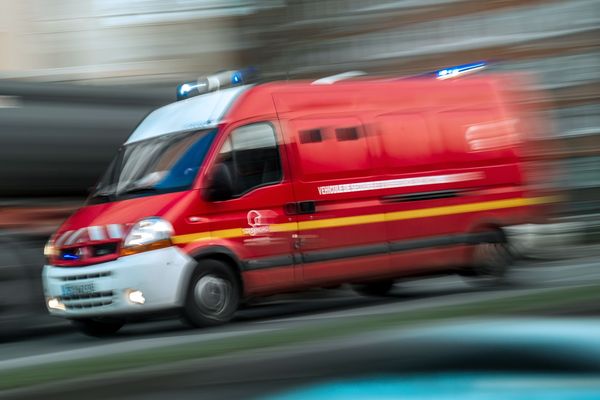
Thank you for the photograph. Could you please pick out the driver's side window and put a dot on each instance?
(252, 157)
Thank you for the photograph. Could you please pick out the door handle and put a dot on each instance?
(300, 207)
(306, 207)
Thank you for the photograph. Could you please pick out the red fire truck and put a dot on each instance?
(257, 189)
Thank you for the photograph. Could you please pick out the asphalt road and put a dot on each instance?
(299, 310)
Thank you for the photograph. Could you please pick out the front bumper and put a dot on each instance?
(103, 289)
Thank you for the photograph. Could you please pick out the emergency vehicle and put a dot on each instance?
(241, 190)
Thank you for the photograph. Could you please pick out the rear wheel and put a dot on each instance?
(213, 295)
(379, 288)
(98, 328)
(491, 262)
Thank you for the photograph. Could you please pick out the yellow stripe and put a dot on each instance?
(341, 221)
(287, 227)
(457, 209)
(372, 218)
(194, 237)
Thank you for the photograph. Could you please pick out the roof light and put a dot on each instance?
(236, 78)
(459, 70)
(216, 81)
(189, 89)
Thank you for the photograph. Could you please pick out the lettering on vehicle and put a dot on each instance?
(398, 183)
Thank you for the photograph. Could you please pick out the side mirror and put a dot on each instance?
(219, 185)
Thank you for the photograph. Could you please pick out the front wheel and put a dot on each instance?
(213, 294)
(97, 328)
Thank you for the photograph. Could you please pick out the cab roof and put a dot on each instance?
(199, 112)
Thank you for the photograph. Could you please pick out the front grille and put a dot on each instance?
(85, 276)
(87, 254)
(101, 250)
(86, 301)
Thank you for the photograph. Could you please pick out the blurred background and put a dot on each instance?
(76, 76)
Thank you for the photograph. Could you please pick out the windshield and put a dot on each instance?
(162, 164)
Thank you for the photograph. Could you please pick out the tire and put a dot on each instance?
(98, 328)
(379, 288)
(213, 295)
(490, 264)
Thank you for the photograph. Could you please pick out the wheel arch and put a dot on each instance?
(220, 253)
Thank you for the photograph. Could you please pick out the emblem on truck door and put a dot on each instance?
(258, 222)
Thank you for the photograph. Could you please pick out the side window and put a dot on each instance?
(252, 157)
(331, 148)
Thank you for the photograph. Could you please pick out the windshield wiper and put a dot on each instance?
(135, 189)
(101, 197)
(138, 189)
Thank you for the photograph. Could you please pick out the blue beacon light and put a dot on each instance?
(187, 89)
(215, 82)
(458, 70)
(236, 78)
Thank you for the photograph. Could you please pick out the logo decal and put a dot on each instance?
(258, 222)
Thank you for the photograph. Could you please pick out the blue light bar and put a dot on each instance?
(189, 89)
(71, 257)
(459, 70)
(245, 75)
(237, 78)
(215, 82)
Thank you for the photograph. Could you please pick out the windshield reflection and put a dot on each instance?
(163, 164)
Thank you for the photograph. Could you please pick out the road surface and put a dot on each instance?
(299, 310)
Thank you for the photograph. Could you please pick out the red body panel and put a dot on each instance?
(371, 155)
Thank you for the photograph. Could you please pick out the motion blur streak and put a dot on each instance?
(77, 76)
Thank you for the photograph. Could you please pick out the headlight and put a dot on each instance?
(148, 234)
(49, 249)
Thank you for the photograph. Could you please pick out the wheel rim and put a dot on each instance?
(212, 294)
(491, 258)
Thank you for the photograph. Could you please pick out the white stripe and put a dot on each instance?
(62, 238)
(96, 233)
(75, 236)
(115, 231)
(397, 183)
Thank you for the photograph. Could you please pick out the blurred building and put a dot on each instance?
(556, 40)
(114, 41)
(153, 41)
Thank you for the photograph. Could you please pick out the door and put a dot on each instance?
(252, 220)
(342, 233)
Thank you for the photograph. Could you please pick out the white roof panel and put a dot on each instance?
(196, 112)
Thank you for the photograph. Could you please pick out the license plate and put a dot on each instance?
(77, 290)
